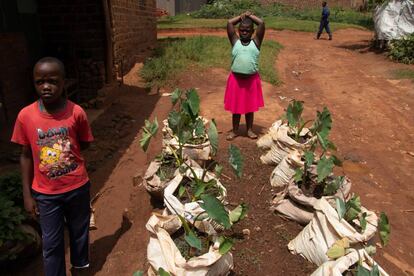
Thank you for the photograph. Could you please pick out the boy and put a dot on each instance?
(324, 21)
(52, 131)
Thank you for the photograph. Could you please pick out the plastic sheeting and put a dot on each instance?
(394, 20)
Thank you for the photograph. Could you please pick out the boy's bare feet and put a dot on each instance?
(231, 135)
(251, 134)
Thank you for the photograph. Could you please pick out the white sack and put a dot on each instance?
(293, 204)
(162, 252)
(394, 20)
(152, 181)
(337, 267)
(285, 171)
(282, 144)
(325, 229)
(192, 209)
(195, 152)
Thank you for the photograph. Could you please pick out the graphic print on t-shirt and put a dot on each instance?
(55, 156)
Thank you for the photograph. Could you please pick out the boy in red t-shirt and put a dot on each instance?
(52, 132)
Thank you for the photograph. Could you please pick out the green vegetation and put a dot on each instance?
(174, 55)
(272, 22)
(227, 9)
(402, 50)
(404, 74)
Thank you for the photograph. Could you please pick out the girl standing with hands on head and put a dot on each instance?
(244, 89)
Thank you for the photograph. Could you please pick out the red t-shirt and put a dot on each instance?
(54, 140)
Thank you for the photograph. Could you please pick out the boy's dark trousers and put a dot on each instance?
(324, 25)
(72, 206)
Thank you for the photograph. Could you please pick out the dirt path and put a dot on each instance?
(373, 119)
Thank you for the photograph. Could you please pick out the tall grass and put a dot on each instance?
(175, 55)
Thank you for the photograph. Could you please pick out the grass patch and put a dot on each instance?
(174, 55)
(404, 74)
(272, 22)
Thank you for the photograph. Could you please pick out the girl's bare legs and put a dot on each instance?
(249, 125)
(236, 122)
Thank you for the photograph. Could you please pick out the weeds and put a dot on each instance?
(402, 50)
(404, 74)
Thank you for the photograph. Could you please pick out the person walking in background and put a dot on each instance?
(324, 21)
(52, 131)
(243, 93)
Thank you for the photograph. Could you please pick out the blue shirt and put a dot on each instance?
(325, 13)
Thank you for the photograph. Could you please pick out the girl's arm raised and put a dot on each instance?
(231, 32)
(260, 31)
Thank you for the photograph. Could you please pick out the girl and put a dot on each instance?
(244, 90)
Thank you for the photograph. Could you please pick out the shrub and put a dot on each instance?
(402, 50)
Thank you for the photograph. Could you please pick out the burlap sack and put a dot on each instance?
(199, 152)
(339, 266)
(282, 144)
(325, 229)
(293, 204)
(162, 252)
(192, 209)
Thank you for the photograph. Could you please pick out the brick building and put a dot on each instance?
(307, 4)
(92, 38)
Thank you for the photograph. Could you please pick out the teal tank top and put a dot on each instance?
(245, 59)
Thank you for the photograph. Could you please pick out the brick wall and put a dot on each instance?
(134, 30)
(74, 31)
(305, 4)
(15, 77)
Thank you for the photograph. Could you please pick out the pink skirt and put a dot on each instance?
(243, 95)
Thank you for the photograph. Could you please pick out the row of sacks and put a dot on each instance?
(323, 225)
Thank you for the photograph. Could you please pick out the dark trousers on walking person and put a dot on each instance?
(324, 25)
(72, 207)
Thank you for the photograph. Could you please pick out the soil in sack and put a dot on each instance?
(167, 168)
(187, 189)
(185, 249)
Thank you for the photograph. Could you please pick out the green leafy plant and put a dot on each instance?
(402, 50)
(351, 210)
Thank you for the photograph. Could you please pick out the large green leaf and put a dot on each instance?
(309, 157)
(225, 245)
(322, 124)
(199, 129)
(363, 222)
(340, 207)
(149, 131)
(213, 136)
(138, 273)
(218, 169)
(338, 249)
(384, 228)
(215, 210)
(193, 101)
(236, 160)
(324, 168)
(238, 213)
(294, 113)
(353, 207)
(331, 187)
(192, 239)
(162, 272)
(176, 95)
(362, 271)
(174, 121)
